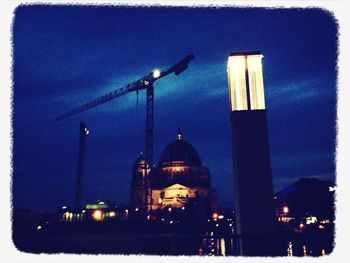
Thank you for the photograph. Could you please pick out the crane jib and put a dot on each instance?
(137, 85)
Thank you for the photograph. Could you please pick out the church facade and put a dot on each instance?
(180, 183)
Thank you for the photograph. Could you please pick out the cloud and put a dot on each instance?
(299, 91)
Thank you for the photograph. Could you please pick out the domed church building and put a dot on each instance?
(180, 183)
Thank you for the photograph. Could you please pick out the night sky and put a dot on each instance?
(67, 55)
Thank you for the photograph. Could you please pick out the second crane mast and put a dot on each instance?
(145, 82)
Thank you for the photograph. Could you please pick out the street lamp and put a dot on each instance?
(251, 153)
(285, 209)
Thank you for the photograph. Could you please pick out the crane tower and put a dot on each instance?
(83, 132)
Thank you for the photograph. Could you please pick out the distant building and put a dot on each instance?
(308, 200)
(99, 211)
(179, 184)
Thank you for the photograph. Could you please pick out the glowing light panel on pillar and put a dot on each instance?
(236, 82)
(245, 70)
(256, 82)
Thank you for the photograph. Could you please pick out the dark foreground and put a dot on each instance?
(156, 238)
(121, 237)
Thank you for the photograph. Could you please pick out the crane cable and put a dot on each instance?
(137, 102)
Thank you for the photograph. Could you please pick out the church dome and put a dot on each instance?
(179, 152)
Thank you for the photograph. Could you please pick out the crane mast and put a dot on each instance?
(146, 82)
(149, 125)
(83, 132)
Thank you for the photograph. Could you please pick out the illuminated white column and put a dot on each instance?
(251, 155)
(245, 80)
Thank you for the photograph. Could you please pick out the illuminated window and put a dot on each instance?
(246, 70)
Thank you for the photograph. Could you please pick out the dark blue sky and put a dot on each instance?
(67, 55)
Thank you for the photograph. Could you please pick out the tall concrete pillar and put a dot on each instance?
(251, 155)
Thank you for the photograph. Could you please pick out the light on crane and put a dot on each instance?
(156, 73)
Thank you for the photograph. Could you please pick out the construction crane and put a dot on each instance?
(146, 82)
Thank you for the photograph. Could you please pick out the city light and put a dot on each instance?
(285, 209)
(285, 219)
(97, 215)
(311, 220)
(99, 205)
(290, 249)
(304, 251)
(65, 216)
(222, 247)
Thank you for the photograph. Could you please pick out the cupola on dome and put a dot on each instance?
(179, 152)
